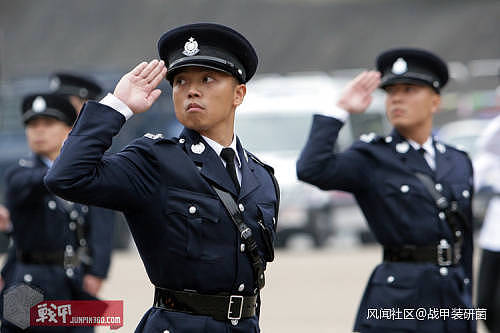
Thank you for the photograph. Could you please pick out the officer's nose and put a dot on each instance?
(193, 91)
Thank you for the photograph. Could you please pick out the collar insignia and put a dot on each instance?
(198, 148)
(402, 147)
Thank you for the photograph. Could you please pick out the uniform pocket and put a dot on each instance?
(393, 289)
(191, 217)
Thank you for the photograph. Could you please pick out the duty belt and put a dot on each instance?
(59, 258)
(442, 254)
(219, 307)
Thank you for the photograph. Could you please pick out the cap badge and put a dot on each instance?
(54, 84)
(39, 104)
(198, 148)
(399, 67)
(191, 47)
(402, 147)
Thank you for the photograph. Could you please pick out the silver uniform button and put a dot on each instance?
(390, 279)
(458, 233)
(388, 139)
(69, 248)
(241, 287)
(234, 322)
(242, 248)
(466, 194)
(166, 331)
(28, 278)
(443, 271)
(182, 140)
(241, 207)
(192, 210)
(72, 226)
(83, 242)
(438, 187)
(52, 204)
(70, 272)
(73, 215)
(405, 188)
(466, 281)
(441, 215)
(85, 209)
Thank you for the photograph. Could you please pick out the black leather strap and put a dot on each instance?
(455, 219)
(251, 247)
(219, 307)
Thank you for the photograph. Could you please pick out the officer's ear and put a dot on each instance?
(435, 101)
(240, 91)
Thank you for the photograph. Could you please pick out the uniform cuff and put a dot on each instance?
(336, 112)
(115, 103)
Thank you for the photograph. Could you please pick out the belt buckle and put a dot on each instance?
(234, 299)
(444, 253)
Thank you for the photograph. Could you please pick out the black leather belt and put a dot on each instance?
(58, 258)
(219, 307)
(442, 254)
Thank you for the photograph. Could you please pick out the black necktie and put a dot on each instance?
(227, 155)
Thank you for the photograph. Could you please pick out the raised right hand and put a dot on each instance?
(357, 95)
(137, 88)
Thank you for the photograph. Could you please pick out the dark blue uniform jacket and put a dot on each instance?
(43, 223)
(156, 182)
(400, 211)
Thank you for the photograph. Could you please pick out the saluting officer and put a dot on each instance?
(78, 88)
(202, 209)
(61, 247)
(414, 191)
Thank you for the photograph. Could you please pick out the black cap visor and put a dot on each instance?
(232, 68)
(49, 113)
(409, 78)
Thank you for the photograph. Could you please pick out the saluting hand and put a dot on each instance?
(137, 88)
(357, 95)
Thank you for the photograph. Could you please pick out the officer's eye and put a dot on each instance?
(179, 81)
(409, 89)
(208, 79)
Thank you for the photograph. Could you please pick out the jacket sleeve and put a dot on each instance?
(320, 166)
(100, 239)
(24, 184)
(83, 173)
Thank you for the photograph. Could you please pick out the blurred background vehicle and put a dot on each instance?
(273, 122)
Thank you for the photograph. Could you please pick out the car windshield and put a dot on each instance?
(273, 132)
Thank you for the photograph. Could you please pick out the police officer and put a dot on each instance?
(414, 191)
(202, 210)
(487, 178)
(78, 88)
(61, 247)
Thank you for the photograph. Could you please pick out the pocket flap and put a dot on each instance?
(193, 204)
